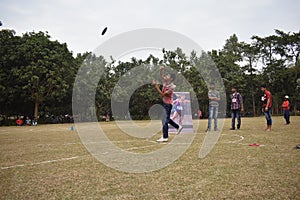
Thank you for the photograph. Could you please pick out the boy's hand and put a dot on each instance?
(154, 82)
(161, 67)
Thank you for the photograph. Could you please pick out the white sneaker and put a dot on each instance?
(162, 139)
(179, 129)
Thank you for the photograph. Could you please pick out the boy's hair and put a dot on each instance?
(263, 85)
(173, 76)
(212, 83)
(235, 87)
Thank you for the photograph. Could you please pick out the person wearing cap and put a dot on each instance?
(237, 107)
(286, 109)
(267, 105)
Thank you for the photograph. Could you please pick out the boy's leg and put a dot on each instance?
(233, 113)
(216, 110)
(210, 115)
(168, 120)
(287, 116)
(165, 121)
(238, 116)
(269, 120)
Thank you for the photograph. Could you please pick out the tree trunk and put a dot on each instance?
(295, 107)
(36, 109)
(252, 89)
(253, 100)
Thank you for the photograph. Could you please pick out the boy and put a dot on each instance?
(267, 105)
(167, 95)
(286, 108)
(236, 108)
(214, 98)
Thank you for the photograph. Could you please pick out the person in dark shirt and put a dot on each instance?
(237, 107)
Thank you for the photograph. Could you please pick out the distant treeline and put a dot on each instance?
(37, 74)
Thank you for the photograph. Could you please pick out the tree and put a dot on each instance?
(9, 59)
(278, 53)
(45, 69)
(251, 56)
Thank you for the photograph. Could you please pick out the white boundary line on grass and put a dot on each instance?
(237, 141)
(39, 163)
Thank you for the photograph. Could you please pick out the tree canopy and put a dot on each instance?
(37, 73)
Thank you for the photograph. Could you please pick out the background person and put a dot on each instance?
(28, 121)
(267, 106)
(237, 107)
(213, 109)
(19, 122)
(34, 121)
(286, 109)
(199, 114)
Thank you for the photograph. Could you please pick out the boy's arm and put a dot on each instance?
(158, 89)
(161, 73)
(210, 97)
(285, 104)
(242, 103)
(218, 97)
(268, 103)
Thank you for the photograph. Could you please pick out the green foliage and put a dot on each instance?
(37, 74)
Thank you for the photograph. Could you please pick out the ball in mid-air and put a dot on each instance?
(104, 31)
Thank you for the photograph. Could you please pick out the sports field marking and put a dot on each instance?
(236, 141)
(239, 141)
(39, 163)
(142, 147)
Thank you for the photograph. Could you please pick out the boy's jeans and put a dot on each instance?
(268, 117)
(236, 114)
(167, 120)
(213, 113)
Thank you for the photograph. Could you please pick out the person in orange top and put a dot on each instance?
(286, 109)
(167, 95)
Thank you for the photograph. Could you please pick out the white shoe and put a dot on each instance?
(162, 139)
(179, 129)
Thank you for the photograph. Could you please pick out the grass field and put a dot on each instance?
(49, 162)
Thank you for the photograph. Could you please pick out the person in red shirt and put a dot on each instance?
(267, 105)
(286, 109)
(199, 114)
(19, 122)
(167, 95)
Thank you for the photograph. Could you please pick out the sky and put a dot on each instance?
(79, 23)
